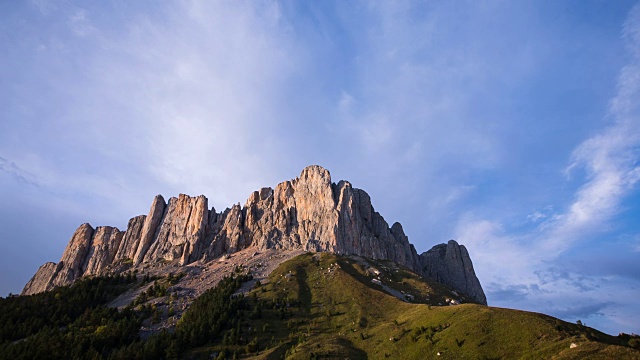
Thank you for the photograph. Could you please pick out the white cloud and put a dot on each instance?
(44, 6)
(536, 216)
(212, 108)
(610, 160)
(80, 24)
(490, 244)
(457, 193)
(189, 100)
(10, 168)
(345, 104)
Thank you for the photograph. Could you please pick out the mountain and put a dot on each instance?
(309, 213)
(308, 270)
(311, 306)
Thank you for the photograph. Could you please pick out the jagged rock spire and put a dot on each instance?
(450, 264)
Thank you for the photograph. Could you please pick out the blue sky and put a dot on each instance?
(512, 127)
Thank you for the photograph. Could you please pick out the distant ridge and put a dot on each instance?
(309, 213)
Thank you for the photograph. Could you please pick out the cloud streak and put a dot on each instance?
(610, 161)
(9, 167)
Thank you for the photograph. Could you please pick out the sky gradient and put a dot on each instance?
(512, 127)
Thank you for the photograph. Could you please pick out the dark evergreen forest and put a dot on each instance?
(73, 322)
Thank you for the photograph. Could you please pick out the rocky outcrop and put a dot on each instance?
(308, 213)
(182, 231)
(70, 266)
(450, 264)
(300, 213)
(131, 239)
(313, 214)
(104, 245)
(41, 281)
(151, 223)
(363, 231)
(227, 233)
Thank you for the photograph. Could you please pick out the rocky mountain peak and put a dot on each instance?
(309, 213)
(451, 264)
(148, 231)
(315, 174)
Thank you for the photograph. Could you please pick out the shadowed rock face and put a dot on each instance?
(131, 239)
(451, 265)
(309, 213)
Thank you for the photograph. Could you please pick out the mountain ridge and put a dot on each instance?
(309, 213)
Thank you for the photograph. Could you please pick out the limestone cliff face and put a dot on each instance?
(451, 265)
(363, 231)
(300, 213)
(313, 214)
(104, 245)
(131, 239)
(70, 267)
(310, 213)
(181, 233)
(151, 223)
(226, 233)
(41, 281)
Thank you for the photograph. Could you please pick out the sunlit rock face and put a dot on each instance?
(70, 266)
(180, 235)
(131, 240)
(148, 232)
(41, 281)
(310, 213)
(104, 245)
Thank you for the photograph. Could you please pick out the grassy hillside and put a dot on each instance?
(326, 306)
(314, 306)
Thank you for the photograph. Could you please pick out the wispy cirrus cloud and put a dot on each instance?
(187, 98)
(211, 109)
(12, 169)
(610, 158)
(610, 162)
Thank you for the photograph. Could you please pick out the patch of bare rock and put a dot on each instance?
(196, 278)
